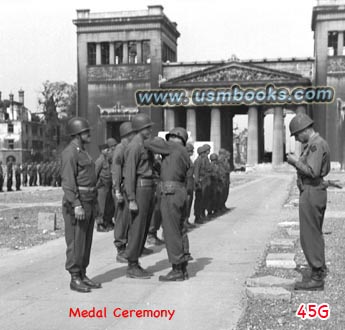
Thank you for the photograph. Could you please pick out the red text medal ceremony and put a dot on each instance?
(174, 165)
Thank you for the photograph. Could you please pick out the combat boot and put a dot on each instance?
(121, 256)
(154, 240)
(176, 274)
(315, 283)
(134, 270)
(77, 284)
(184, 270)
(146, 251)
(88, 282)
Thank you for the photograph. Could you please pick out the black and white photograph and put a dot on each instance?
(172, 164)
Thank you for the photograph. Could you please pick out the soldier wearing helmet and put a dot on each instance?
(224, 170)
(173, 174)
(105, 199)
(122, 216)
(139, 188)
(215, 186)
(79, 203)
(190, 186)
(312, 166)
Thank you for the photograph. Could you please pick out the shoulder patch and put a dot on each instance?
(313, 148)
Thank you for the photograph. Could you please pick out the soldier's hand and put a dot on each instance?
(119, 197)
(291, 159)
(79, 213)
(133, 206)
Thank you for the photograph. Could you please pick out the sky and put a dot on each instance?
(38, 38)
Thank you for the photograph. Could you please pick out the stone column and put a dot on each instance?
(139, 52)
(278, 135)
(191, 123)
(340, 43)
(169, 119)
(111, 53)
(98, 53)
(253, 137)
(125, 53)
(215, 135)
(298, 145)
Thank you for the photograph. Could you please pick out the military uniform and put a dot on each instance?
(224, 169)
(25, 174)
(1, 177)
(79, 186)
(17, 174)
(139, 187)
(9, 176)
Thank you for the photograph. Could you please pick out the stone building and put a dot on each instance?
(121, 52)
(21, 137)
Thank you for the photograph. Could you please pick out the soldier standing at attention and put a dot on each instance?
(312, 166)
(1, 177)
(17, 174)
(175, 164)
(139, 187)
(25, 174)
(190, 186)
(121, 205)
(105, 198)
(9, 175)
(79, 204)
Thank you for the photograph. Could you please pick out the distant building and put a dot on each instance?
(21, 133)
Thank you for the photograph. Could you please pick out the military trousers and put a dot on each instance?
(312, 207)
(140, 222)
(121, 223)
(106, 204)
(1, 181)
(18, 181)
(173, 216)
(78, 236)
(156, 219)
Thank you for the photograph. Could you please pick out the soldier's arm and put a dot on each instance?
(196, 169)
(158, 146)
(116, 169)
(98, 167)
(68, 171)
(130, 170)
(311, 167)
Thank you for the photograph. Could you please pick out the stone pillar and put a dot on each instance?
(253, 137)
(278, 136)
(298, 145)
(215, 135)
(111, 53)
(169, 119)
(98, 53)
(139, 52)
(340, 43)
(191, 123)
(125, 52)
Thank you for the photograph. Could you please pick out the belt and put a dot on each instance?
(87, 189)
(173, 184)
(312, 182)
(141, 182)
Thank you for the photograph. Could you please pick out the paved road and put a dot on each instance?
(34, 292)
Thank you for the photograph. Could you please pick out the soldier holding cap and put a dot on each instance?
(121, 205)
(79, 204)
(139, 187)
(312, 166)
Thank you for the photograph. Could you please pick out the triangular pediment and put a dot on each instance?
(234, 72)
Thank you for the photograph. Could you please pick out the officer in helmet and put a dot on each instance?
(79, 203)
(139, 187)
(174, 167)
(121, 205)
(312, 166)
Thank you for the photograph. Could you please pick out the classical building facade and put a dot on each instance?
(21, 138)
(121, 52)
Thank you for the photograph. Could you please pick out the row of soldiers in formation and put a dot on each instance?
(143, 183)
(32, 174)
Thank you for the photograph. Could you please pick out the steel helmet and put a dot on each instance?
(213, 157)
(299, 123)
(141, 121)
(189, 147)
(179, 132)
(126, 129)
(199, 150)
(77, 125)
(111, 142)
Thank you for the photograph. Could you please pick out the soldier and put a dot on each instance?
(121, 206)
(111, 142)
(190, 186)
(175, 164)
(215, 186)
(17, 174)
(312, 166)
(1, 177)
(25, 174)
(54, 174)
(40, 173)
(201, 177)
(139, 187)
(79, 204)
(224, 168)
(105, 198)
(9, 175)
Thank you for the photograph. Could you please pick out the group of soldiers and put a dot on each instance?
(31, 174)
(142, 183)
